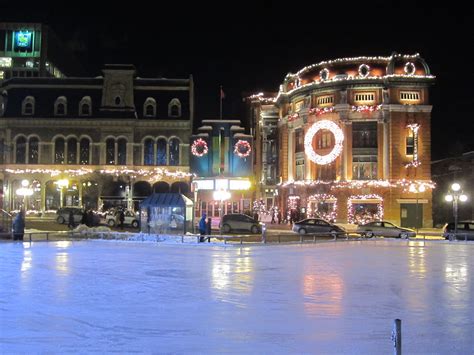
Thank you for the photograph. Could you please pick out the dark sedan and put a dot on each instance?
(316, 225)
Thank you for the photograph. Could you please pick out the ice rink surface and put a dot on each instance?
(132, 297)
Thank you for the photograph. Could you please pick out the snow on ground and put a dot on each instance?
(95, 297)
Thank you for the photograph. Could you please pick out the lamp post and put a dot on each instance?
(24, 191)
(454, 195)
(61, 184)
(221, 196)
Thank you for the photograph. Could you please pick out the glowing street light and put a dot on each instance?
(221, 196)
(24, 191)
(62, 183)
(454, 195)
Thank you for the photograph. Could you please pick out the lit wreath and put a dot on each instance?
(199, 147)
(308, 142)
(242, 148)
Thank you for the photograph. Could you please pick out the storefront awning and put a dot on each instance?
(166, 200)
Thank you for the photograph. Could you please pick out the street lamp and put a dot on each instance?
(454, 195)
(62, 183)
(221, 196)
(24, 191)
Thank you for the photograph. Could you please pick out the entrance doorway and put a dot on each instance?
(411, 215)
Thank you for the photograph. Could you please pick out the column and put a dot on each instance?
(79, 191)
(386, 146)
(43, 196)
(344, 154)
(291, 154)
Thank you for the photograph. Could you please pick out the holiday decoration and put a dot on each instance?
(364, 216)
(317, 201)
(242, 148)
(321, 111)
(199, 147)
(364, 70)
(366, 108)
(414, 127)
(293, 117)
(308, 142)
(409, 68)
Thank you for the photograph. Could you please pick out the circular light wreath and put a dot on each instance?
(324, 74)
(364, 70)
(308, 142)
(242, 148)
(199, 147)
(409, 68)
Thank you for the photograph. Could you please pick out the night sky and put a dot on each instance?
(249, 47)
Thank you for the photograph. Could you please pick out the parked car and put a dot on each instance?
(384, 229)
(465, 230)
(240, 222)
(131, 219)
(316, 225)
(63, 214)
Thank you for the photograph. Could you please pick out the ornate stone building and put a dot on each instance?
(354, 140)
(107, 140)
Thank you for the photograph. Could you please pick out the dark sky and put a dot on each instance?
(250, 46)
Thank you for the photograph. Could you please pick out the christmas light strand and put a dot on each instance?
(323, 198)
(242, 148)
(366, 108)
(321, 111)
(356, 217)
(199, 147)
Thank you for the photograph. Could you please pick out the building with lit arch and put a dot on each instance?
(114, 139)
(354, 140)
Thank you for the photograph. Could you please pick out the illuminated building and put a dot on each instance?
(221, 157)
(33, 50)
(112, 139)
(355, 133)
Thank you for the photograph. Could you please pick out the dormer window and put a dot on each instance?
(149, 107)
(60, 106)
(28, 106)
(85, 106)
(174, 108)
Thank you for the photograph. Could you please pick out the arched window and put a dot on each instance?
(84, 151)
(161, 151)
(28, 106)
(174, 108)
(85, 106)
(59, 151)
(72, 151)
(149, 107)
(122, 151)
(33, 150)
(20, 150)
(110, 151)
(174, 151)
(148, 152)
(60, 106)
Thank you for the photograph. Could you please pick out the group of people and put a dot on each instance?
(278, 216)
(204, 228)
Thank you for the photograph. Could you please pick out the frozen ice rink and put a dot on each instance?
(132, 297)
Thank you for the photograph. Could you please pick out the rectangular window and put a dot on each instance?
(410, 144)
(326, 172)
(364, 135)
(299, 140)
(300, 169)
(326, 100)
(364, 167)
(364, 98)
(298, 105)
(410, 96)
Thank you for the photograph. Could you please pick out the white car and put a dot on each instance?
(131, 219)
(385, 229)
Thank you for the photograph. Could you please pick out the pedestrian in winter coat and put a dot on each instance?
(18, 226)
(202, 227)
(208, 228)
(121, 218)
(71, 220)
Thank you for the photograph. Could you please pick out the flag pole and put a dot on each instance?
(220, 96)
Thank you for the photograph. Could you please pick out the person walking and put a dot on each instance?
(202, 227)
(273, 216)
(121, 218)
(279, 217)
(71, 220)
(18, 226)
(208, 228)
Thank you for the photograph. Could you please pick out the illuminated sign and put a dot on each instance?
(239, 184)
(23, 41)
(222, 184)
(5, 62)
(204, 184)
